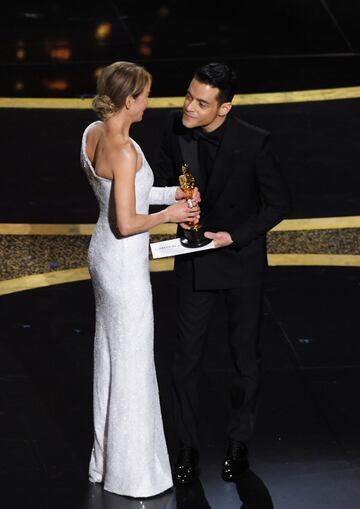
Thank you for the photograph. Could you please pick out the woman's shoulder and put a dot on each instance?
(93, 127)
(125, 147)
(122, 152)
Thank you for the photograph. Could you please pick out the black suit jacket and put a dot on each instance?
(246, 196)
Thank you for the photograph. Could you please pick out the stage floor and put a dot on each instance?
(305, 452)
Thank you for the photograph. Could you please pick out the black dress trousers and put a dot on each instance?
(244, 306)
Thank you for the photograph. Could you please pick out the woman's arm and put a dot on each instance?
(168, 195)
(162, 195)
(129, 222)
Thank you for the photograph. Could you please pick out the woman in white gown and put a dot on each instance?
(129, 454)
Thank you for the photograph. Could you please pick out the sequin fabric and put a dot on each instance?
(129, 455)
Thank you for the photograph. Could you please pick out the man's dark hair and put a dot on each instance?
(218, 75)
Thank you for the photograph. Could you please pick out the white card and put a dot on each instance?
(173, 247)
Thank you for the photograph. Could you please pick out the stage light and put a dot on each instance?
(103, 31)
(19, 85)
(63, 53)
(20, 54)
(57, 85)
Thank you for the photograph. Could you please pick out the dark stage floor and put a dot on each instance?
(305, 453)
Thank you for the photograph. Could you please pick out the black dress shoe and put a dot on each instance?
(187, 466)
(236, 461)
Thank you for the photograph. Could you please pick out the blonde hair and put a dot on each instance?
(116, 82)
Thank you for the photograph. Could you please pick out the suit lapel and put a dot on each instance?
(189, 151)
(225, 163)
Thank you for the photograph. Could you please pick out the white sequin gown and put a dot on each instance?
(130, 455)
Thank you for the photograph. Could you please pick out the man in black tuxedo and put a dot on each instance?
(243, 196)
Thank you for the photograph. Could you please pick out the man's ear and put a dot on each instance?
(224, 109)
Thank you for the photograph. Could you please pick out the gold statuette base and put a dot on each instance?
(194, 238)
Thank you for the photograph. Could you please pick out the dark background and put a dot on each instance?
(55, 48)
(42, 182)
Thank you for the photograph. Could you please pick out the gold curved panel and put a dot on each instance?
(72, 275)
(327, 94)
(317, 223)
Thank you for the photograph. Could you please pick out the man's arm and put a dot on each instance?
(275, 202)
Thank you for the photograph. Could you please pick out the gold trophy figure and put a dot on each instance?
(195, 236)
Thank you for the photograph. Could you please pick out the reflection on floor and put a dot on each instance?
(250, 490)
(305, 453)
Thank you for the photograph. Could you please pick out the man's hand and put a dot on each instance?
(221, 239)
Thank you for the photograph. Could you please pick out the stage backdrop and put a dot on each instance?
(42, 181)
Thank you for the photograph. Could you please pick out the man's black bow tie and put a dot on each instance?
(199, 135)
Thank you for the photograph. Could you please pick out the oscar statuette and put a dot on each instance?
(195, 236)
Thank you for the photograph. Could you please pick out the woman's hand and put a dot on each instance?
(180, 212)
(181, 195)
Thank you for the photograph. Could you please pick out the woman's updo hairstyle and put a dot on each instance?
(116, 82)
